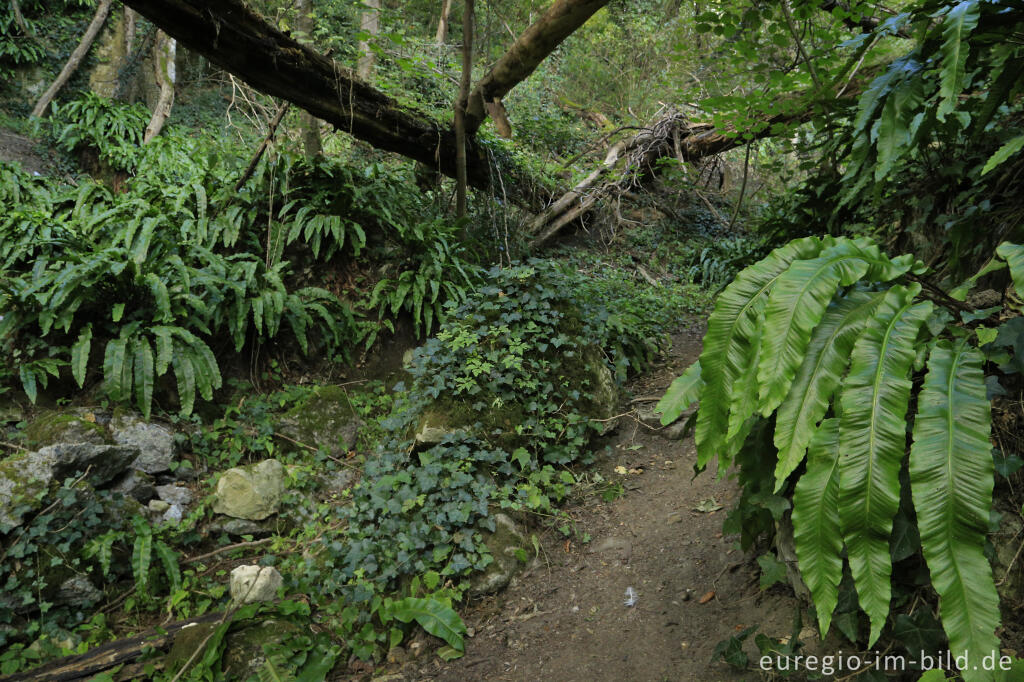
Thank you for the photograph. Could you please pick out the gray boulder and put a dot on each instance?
(155, 443)
(253, 492)
(326, 419)
(69, 426)
(174, 494)
(25, 476)
(502, 544)
(78, 592)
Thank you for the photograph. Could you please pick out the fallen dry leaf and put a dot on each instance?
(707, 597)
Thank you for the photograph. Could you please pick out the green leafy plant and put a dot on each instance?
(822, 335)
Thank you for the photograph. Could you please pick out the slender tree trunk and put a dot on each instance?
(369, 23)
(19, 19)
(442, 23)
(529, 50)
(166, 48)
(130, 24)
(309, 125)
(102, 10)
(460, 110)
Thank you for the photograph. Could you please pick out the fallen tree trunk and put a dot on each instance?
(107, 656)
(526, 54)
(633, 161)
(240, 41)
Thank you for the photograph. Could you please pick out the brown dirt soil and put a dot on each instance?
(565, 619)
(21, 149)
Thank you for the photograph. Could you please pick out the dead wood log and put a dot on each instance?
(98, 19)
(107, 656)
(634, 161)
(526, 54)
(239, 40)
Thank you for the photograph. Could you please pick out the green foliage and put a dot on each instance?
(819, 335)
(46, 550)
(111, 128)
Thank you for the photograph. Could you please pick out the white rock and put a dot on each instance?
(255, 583)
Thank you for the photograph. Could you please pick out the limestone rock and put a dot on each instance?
(155, 443)
(174, 494)
(54, 426)
(325, 419)
(252, 492)
(137, 485)
(255, 583)
(238, 527)
(502, 544)
(25, 475)
(432, 428)
(159, 506)
(78, 592)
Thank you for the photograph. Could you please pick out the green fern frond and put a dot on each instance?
(816, 535)
(951, 478)
(872, 439)
(957, 26)
(825, 363)
(729, 358)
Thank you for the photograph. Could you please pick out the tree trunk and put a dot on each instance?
(130, 24)
(369, 22)
(528, 51)
(309, 125)
(442, 23)
(460, 110)
(119, 652)
(240, 41)
(102, 10)
(165, 53)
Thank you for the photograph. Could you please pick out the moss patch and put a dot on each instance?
(53, 427)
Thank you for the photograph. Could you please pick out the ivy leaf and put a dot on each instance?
(772, 570)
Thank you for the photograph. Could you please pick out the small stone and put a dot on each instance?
(238, 527)
(78, 592)
(502, 544)
(174, 514)
(252, 492)
(174, 494)
(137, 485)
(159, 506)
(252, 583)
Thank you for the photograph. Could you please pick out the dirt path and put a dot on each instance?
(565, 619)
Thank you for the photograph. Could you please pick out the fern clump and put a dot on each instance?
(830, 336)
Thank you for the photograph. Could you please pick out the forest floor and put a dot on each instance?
(565, 618)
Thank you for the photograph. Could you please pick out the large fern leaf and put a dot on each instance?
(872, 438)
(828, 355)
(1013, 254)
(795, 307)
(958, 24)
(730, 349)
(683, 392)
(951, 482)
(816, 535)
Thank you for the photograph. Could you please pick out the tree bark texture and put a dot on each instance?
(240, 41)
(442, 23)
(460, 109)
(526, 54)
(102, 10)
(166, 52)
(369, 23)
(309, 125)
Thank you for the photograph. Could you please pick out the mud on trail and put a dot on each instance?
(565, 619)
